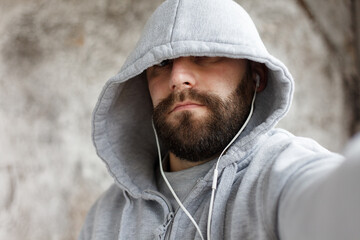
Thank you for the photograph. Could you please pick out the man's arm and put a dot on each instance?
(325, 204)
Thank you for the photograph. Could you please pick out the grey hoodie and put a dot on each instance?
(260, 174)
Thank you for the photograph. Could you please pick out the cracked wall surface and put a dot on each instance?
(56, 55)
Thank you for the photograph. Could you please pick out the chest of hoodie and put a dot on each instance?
(151, 216)
(238, 207)
(238, 211)
(157, 219)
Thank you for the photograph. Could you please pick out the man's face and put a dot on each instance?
(199, 103)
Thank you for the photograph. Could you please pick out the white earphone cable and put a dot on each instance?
(215, 176)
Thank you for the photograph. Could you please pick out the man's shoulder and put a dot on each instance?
(106, 201)
(282, 151)
(105, 209)
(281, 138)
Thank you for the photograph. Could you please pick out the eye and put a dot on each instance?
(164, 63)
(206, 60)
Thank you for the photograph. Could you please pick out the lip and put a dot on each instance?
(185, 106)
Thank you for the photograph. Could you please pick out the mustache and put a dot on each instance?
(207, 99)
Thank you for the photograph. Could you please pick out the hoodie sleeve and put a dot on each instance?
(323, 204)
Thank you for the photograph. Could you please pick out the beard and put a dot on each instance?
(197, 138)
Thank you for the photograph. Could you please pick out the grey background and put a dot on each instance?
(55, 56)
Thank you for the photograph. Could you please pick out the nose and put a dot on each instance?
(182, 74)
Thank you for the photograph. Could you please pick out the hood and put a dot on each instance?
(122, 131)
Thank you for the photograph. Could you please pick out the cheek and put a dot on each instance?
(157, 91)
(224, 86)
(153, 95)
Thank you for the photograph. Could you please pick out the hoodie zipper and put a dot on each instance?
(162, 198)
(170, 216)
(178, 208)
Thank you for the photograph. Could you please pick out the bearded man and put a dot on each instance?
(186, 129)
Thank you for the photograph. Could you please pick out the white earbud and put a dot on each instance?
(257, 79)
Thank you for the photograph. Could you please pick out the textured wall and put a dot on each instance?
(55, 56)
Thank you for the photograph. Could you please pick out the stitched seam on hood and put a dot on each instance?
(172, 42)
(189, 53)
(175, 18)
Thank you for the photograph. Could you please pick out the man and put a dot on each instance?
(201, 80)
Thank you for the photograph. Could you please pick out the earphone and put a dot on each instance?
(257, 80)
(215, 176)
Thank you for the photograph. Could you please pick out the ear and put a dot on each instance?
(259, 70)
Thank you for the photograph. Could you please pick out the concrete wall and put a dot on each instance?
(56, 55)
